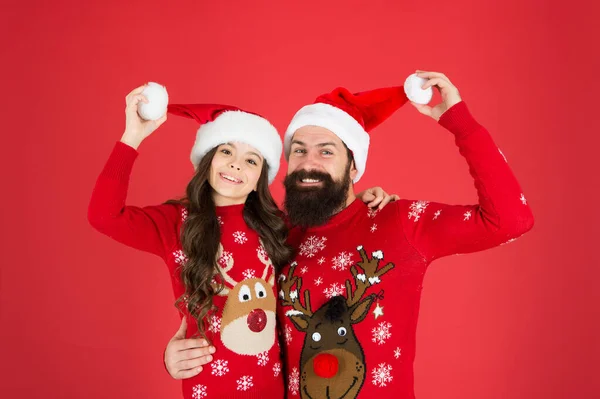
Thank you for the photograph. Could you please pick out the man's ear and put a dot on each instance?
(353, 170)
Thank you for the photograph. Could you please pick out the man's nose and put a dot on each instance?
(311, 162)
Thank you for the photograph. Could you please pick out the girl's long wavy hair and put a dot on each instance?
(201, 235)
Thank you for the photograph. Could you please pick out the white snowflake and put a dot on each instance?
(220, 220)
(501, 153)
(225, 258)
(219, 367)
(199, 391)
(319, 281)
(381, 333)
(382, 375)
(397, 353)
(523, 199)
(321, 260)
(215, 324)
(294, 381)
(276, 369)
(374, 228)
(334, 290)
(245, 383)
(467, 215)
(304, 269)
(263, 358)
(312, 245)
(184, 214)
(416, 209)
(248, 273)
(372, 213)
(180, 257)
(240, 237)
(437, 214)
(288, 334)
(341, 261)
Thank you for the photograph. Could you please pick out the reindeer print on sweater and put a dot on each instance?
(332, 363)
(248, 320)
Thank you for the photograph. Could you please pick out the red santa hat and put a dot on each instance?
(221, 124)
(350, 117)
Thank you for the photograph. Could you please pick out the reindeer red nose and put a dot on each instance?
(257, 320)
(325, 365)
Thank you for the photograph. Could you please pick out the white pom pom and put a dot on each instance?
(158, 99)
(414, 92)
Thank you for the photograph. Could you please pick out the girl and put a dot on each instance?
(221, 243)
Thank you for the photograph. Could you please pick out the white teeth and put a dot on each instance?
(310, 181)
(232, 179)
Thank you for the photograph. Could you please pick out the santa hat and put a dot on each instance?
(221, 124)
(350, 117)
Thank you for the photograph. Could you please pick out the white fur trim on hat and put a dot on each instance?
(243, 127)
(340, 123)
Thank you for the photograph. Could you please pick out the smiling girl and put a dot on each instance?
(221, 243)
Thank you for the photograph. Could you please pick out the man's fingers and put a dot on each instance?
(194, 363)
(137, 90)
(197, 352)
(135, 100)
(191, 343)
(180, 334)
(183, 374)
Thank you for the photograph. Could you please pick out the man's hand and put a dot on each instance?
(184, 358)
(449, 92)
(376, 197)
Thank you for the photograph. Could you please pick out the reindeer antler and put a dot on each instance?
(261, 252)
(370, 277)
(224, 271)
(290, 298)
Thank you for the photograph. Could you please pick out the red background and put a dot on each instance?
(82, 316)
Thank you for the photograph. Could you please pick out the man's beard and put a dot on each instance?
(313, 206)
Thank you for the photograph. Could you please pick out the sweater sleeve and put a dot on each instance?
(502, 214)
(150, 229)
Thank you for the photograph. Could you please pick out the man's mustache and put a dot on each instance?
(310, 174)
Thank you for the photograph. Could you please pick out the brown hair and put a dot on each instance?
(201, 235)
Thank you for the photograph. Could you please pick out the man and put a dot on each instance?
(349, 302)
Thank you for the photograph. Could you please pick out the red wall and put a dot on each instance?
(82, 316)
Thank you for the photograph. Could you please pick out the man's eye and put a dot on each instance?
(299, 151)
(327, 152)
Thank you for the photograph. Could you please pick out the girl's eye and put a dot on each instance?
(226, 151)
(252, 162)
